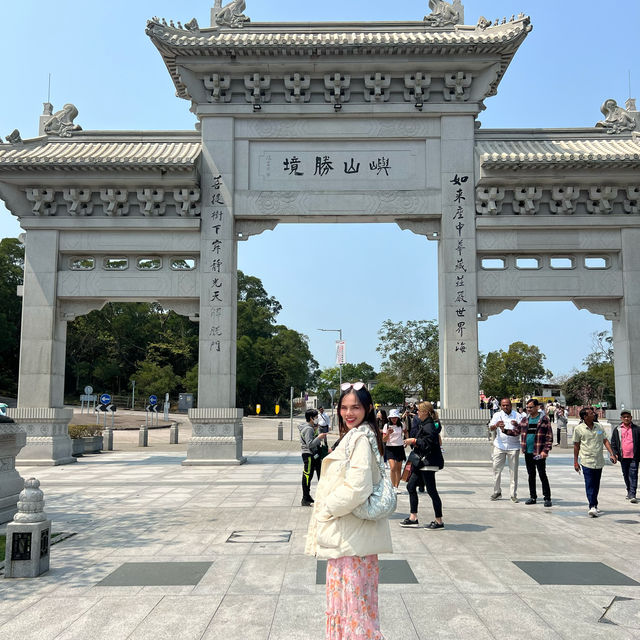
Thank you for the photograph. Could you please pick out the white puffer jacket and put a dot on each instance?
(333, 531)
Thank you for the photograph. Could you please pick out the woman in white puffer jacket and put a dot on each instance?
(349, 544)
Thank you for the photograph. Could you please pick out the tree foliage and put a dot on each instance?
(11, 270)
(329, 378)
(387, 394)
(596, 384)
(411, 355)
(515, 372)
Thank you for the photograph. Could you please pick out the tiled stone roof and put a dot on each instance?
(568, 152)
(336, 41)
(104, 149)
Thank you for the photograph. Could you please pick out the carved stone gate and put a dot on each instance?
(327, 122)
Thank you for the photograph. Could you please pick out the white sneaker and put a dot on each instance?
(593, 512)
(599, 512)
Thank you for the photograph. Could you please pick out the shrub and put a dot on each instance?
(84, 431)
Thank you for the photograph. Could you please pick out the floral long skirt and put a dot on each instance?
(352, 598)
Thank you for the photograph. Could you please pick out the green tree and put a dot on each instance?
(387, 394)
(271, 358)
(329, 378)
(411, 353)
(11, 276)
(151, 378)
(515, 372)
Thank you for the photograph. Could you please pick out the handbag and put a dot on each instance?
(416, 461)
(382, 501)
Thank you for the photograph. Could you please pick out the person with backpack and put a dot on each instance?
(311, 449)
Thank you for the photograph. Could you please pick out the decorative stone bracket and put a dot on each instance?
(218, 86)
(376, 87)
(114, 202)
(459, 84)
(337, 89)
(488, 308)
(557, 200)
(607, 307)
(428, 228)
(297, 87)
(417, 87)
(244, 229)
(257, 89)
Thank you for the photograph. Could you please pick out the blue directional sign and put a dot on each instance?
(105, 398)
(153, 400)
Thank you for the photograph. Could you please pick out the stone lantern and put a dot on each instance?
(28, 536)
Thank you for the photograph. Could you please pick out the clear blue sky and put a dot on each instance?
(351, 277)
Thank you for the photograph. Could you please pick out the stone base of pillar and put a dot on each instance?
(12, 439)
(216, 438)
(48, 441)
(465, 437)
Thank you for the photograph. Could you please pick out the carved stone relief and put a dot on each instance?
(43, 201)
(601, 199)
(489, 200)
(297, 88)
(79, 201)
(377, 87)
(526, 200)
(457, 86)
(337, 89)
(563, 199)
(257, 88)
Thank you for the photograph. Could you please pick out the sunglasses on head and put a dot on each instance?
(356, 386)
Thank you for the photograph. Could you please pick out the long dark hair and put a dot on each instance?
(364, 397)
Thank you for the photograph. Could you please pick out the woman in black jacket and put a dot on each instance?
(426, 445)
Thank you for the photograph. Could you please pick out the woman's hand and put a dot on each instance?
(409, 442)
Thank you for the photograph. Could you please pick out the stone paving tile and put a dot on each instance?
(259, 575)
(445, 616)
(506, 615)
(167, 621)
(242, 617)
(112, 618)
(46, 618)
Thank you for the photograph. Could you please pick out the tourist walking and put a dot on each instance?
(324, 421)
(536, 439)
(427, 455)
(506, 446)
(561, 422)
(349, 544)
(625, 442)
(310, 445)
(393, 435)
(588, 439)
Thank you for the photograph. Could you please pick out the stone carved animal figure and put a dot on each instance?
(616, 119)
(61, 122)
(443, 14)
(231, 15)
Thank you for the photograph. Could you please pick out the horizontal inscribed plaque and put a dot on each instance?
(336, 166)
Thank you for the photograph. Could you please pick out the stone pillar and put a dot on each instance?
(463, 422)
(43, 342)
(457, 286)
(12, 439)
(217, 427)
(626, 329)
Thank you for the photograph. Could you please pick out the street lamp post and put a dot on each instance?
(338, 331)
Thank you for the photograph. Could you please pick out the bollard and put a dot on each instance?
(107, 439)
(280, 430)
(143, 436)
(28, 536)
(174, 433)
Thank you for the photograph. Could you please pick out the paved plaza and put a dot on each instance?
(161, 550)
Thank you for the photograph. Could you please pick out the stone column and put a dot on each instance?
(43, 339)
(463, 422)
(457, 305)
(12, 439)
(626, 330)
(217, 424)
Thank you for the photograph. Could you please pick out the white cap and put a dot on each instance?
(394, 413)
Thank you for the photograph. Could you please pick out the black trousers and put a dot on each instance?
(541, 467)
(310, 465)
(429, 480)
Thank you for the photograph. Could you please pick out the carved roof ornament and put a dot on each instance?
(617, 119)
(444, 14)
(61, 123)
(14, 137)
(231, 15)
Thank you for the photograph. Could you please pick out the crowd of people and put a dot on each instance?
(351, 472)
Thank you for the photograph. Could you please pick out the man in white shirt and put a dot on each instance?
(324, 421)
(505, 446)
